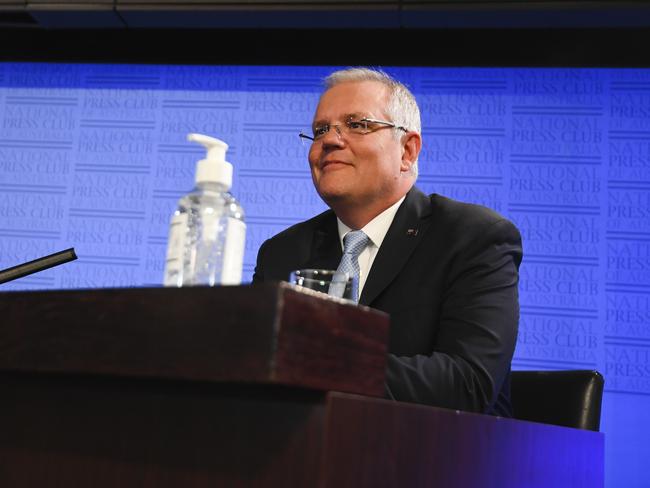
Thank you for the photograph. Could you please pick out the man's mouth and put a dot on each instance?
(333, 163)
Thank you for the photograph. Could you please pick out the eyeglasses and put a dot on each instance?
(351, 126)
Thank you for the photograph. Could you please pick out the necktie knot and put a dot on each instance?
(354, 242)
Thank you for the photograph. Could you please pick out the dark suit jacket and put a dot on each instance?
(447, 273)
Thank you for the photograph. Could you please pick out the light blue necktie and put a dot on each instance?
(354, 243)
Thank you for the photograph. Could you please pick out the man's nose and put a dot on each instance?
(334, 136)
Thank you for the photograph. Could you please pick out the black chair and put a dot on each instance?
(568, 398)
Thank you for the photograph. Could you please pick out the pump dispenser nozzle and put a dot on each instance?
(214, 168)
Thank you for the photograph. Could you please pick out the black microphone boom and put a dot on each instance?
(37, 265)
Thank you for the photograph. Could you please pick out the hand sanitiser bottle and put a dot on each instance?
(207, 232)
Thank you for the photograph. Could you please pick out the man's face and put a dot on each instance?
(357, 169)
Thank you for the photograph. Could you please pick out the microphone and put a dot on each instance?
(37, 265)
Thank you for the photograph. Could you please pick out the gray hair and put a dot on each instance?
(402, 107)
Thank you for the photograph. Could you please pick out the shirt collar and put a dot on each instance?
(377, 228)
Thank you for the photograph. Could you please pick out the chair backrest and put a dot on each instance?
(569, 398)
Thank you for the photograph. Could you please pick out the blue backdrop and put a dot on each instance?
(95, 157)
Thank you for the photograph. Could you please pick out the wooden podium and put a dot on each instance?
(251, 386)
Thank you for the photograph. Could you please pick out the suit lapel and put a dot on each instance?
(326, 249)
(403, 236)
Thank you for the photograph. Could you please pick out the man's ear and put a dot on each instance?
(412, 144)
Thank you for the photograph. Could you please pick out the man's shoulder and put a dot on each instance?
(291, 248)
(299, 230)
(471, 229)
(456, 210)
(469, 219)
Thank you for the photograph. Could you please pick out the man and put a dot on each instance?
(445, 271)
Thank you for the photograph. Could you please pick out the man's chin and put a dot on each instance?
(333, 196)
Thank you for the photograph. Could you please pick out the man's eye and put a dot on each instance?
(321, 131)
(356, 125)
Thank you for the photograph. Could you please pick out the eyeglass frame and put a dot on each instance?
(386, 123)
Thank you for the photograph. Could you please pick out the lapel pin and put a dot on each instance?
(412, 232)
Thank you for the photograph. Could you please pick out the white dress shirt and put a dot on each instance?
(376, 230)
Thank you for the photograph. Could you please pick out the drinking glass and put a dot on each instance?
(325, 281)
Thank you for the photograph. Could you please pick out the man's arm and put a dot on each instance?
(477, 328)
